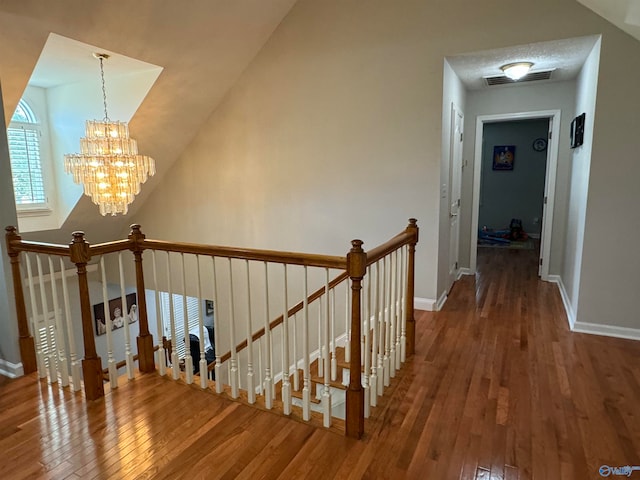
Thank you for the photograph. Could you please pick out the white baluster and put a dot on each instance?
(334, 360)
(162, 361)
(296, 373)
(392, 316)
(268, 382)
(128, 354)
(367, 339)
(188, 361)
(53, 371)
(204, 372)
(306, 400)
(321, 347)
(175, 358)
(251, 389)
(373, 318)
(260, 386)
(111, 362)
(403, 317)
(347, 321)
(216, 325)
(60, 340)
(326, 392)
(35, 330)
(387, 319)
(286, 386)
(380, 321)
(398, 304)
(75, 365)
(233, 372)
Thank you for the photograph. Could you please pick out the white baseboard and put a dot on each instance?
(607, 330)
(464, 271)
(535, 236)
(11, 370)
(441, 301)
(427, 304)
(571, 316)
(591, 328)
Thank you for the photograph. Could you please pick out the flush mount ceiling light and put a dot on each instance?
(515, 71)
(109, 166)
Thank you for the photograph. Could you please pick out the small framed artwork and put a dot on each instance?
(577, 130)
(208, 307)
(117, 313)
(503, 157)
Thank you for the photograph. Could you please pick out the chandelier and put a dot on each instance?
(109, 166)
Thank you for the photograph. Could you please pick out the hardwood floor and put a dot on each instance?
(498, 389)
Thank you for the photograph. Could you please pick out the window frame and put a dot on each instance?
(40, 129)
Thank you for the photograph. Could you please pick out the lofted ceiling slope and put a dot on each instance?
(202, 45)
(624, 14)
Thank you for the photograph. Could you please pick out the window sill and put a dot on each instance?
(34, 212)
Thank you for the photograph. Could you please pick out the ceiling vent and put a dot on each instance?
(530, 77)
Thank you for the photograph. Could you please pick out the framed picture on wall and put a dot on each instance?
(116, 312)
(503, 157)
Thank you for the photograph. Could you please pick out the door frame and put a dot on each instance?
(453, 139)
(549, 184)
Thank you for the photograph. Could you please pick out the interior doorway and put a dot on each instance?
(504, 172)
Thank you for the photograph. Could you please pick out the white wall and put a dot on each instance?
(610, 263)
(10, 361)
(522, 98)
(579, 182)
(453, 92)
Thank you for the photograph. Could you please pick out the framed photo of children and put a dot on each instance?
(116, 312)
(503, 157)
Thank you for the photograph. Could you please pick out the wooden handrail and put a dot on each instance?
(292, 311)
(109, 247)
(386, 248)
(291, 258)
(39, 247)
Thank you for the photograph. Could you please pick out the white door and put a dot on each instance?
(543, 263)
(455, 179)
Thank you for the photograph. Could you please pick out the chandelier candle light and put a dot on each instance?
(109, 166)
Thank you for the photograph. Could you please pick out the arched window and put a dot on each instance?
(26, 164)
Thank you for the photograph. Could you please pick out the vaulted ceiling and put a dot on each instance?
(202, 45)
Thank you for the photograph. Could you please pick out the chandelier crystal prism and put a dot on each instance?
(109, 166)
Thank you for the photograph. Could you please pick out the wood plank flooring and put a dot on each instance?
(498, 389)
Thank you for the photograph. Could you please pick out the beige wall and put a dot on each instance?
(334, 132)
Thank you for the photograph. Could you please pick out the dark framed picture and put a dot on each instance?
(116, 312)
(208, 307)
(577, 130)
(503, 157)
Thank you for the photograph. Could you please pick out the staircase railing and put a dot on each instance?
(278, 357)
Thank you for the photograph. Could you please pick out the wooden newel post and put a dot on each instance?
(91, 363)
(356, 268)
(25, 340)
(146, 361)
(411, 270)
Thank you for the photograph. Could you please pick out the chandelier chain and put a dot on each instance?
(104, 90)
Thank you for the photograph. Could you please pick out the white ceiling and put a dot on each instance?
(64, 61)
(624, 14)
(565, 57)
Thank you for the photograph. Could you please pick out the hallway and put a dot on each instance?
(498, 389)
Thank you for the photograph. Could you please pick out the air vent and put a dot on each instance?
(530, 77)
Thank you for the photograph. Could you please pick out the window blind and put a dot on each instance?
(193, 315)
(26, 165)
